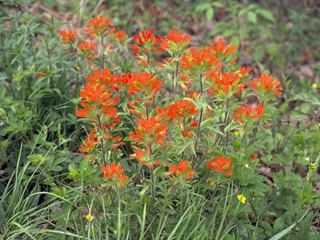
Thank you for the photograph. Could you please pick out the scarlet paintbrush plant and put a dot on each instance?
(175, 103)
(161, 130)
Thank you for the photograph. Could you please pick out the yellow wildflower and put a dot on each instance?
(242, 198)
(89, 218)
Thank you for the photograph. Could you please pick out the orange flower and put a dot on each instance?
(89, 144)
(183, 169)
(221, 164)
(248, 112)
(220, 46)
(194, 123)
(86, 46)
(145, 42)
(68, 36)
(143, 156)
(102, 76)
(121, 36)
(201, 59)
(122, 79)
(181, 109)
(222, 82)
(267, 83)
(144, 83)
(186, 133)
(149, 130)
(113, 173)
(105, 78)
(175, 41)
(98, 25)
(95, 97)
(244, 71)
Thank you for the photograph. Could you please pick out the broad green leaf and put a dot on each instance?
(266, 15)
(252, 17)
(209, 13)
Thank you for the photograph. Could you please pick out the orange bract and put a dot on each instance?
(181, 109)
(248, 112)
(267, 83)
(220, 46)
(221, 164)
(87, 46)
(144, 83)
(200, 58)
(183, 169)
(96, 97)
(121, 35)
(89, 144)
(149, 130)
(222, 82)
(98, 25)
(68, 36)
(146, 42)
(114, 173)
(175, 40)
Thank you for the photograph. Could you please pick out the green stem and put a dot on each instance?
(102, 140)
(119, 216)
(102, 46)
(200, 120)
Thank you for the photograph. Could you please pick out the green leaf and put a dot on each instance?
(202, 7)
(209, 13)
(266, 15)
(252, 17)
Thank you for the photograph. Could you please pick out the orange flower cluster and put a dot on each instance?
(182, 169)
(149, 130)
(97, 99)
(113, 173)
(221, 47)
(221, 164)
(98, 25)
(87, 48)
(105, 78)
(267, 83)
(181, 109)
(222, 82)
(89, 144)
(145, 42)
(121, 35)
(175, 41)
(101, 36)
(248, 112)
(145, 84)
(201, 59)
(68, 36)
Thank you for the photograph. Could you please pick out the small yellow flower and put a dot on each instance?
(242, 198)
(236, 133)
(314, 85)
(246, 166)
(89, 218)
